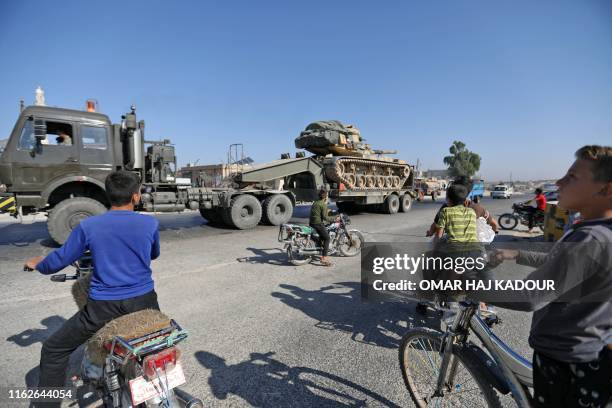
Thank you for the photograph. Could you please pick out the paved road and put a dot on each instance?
(262, 333)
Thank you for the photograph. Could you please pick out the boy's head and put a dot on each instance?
(323, 194)
(538, 191)
(464, 181)
(456, 194)
(122, 188)
(587, 185)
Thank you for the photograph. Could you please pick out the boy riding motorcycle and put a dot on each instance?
(122, 244)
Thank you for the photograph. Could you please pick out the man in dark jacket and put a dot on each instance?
(319, 216)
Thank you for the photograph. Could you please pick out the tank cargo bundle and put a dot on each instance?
(349, 161)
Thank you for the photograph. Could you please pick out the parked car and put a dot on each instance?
(502, 191)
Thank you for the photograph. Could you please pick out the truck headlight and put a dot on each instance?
(2, 188)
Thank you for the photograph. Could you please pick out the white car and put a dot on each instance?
(502, 191)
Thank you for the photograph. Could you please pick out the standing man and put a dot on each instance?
(122, 245)
(319, 215)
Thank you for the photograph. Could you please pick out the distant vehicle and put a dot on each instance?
(502, 191)
(550, 187)
(552, 197)
(478, 189)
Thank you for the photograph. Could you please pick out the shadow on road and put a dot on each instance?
(263, 381)
(32, 336)
(270, 256)
(25, 234)
(340, 307)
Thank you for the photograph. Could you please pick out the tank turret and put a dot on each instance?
(350, 161)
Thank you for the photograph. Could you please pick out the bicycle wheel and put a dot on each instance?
(420, 360)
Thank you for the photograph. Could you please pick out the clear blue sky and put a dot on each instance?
(523, 83)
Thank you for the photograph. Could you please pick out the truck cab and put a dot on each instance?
(49, 148)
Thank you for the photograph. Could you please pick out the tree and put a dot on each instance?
(461, 161)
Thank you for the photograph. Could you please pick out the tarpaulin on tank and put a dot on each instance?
(322, 133)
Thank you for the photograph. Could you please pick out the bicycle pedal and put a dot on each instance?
(492, 320)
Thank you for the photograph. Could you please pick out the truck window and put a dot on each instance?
(27, 141)
(94, 137)
(59, 134)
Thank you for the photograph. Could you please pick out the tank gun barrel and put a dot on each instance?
(384, 151)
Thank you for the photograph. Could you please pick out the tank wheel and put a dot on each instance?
(405, 203)
(392, 204)
(66, 215)
(244, 212)
(388, 182)
(213, 216)
(371, 181)
(351, 179)
(277, 209)
(395, 181)
(361, 181)
(340, 168)
(380, 181)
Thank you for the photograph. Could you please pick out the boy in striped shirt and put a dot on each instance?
(457, 221)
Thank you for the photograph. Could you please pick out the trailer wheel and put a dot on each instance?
(244, 212)
(392, 204)
(405, 203)
(212, 216)
(277, 209)
(66, 215)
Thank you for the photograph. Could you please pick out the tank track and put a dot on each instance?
(367, 174)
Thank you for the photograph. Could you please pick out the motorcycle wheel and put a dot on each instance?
(295, 258)
(507, 221)
(352, 247)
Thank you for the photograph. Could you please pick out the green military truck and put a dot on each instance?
(56, 160)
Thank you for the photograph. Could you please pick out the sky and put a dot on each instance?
(522, 83)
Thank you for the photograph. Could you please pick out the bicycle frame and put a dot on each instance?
(516, 370)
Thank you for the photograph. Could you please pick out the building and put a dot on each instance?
(439, 174)
(210, 175)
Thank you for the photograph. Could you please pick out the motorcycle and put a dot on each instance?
(133, 361)
(302, 242)
(520, 215)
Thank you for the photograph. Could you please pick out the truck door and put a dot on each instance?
(35, 164)
(96, 156)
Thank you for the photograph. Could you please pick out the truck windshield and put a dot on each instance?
(503, 188)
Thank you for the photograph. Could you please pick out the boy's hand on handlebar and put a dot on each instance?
(505, 254)
(32, 263)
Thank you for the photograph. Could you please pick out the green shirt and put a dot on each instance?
(318, 213)
(459, 223)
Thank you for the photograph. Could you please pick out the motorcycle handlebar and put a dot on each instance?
(62, 277)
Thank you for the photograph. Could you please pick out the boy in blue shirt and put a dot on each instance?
(122, 245)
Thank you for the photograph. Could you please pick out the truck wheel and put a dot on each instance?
(66, 215)
(392, 204)
(277, 209)
(245, 212)
(346, 207)
(212, 216)
(405, 203)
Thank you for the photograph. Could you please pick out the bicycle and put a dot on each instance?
(459, 366)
